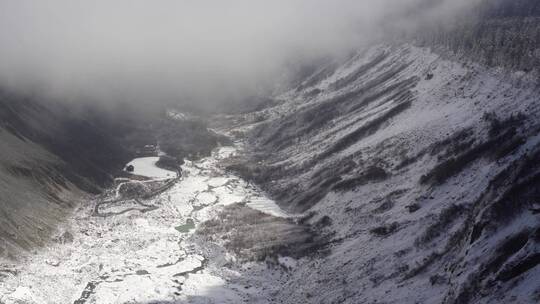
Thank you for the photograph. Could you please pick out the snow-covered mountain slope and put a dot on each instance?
(422, 173)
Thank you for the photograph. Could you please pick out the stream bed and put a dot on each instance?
(147, 255)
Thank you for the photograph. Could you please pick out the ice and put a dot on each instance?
(146, 166)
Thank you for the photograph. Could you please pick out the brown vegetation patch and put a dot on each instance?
(253, 235)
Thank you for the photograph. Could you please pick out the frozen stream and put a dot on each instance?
(145, 257)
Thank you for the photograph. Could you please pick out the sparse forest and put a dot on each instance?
(499, 34)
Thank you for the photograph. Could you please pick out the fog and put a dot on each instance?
(201, 52)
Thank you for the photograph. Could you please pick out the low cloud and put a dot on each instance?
(186, 51)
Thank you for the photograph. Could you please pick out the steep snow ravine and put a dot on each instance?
(145, 256)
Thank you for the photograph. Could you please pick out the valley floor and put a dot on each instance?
(149, 255)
